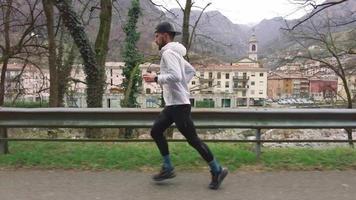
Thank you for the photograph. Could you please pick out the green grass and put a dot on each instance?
(26, 104)
(145, 156)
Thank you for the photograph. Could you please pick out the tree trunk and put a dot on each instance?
(94, 73)
(2, 82)
(53, 73)
(6, 54)
(101, 49)
(4, 149)
(128, 93)
(349, 105)
(64, 72)
(102, 39)
(5, 60)
(186, 18)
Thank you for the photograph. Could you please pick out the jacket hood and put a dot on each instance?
(176, 47)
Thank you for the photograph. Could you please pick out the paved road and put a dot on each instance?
(108, 185)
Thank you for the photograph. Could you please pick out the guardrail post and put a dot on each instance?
(349, 136)
(3, 144)
(258, 143)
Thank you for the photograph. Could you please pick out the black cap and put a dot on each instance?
(166, 27)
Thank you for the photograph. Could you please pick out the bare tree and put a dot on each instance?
(20, 26)
(320, 43)
(317, 8)
(323, 43)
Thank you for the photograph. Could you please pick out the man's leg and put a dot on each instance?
(162, 122)
(185, 125)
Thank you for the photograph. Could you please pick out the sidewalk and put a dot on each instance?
(26, 184)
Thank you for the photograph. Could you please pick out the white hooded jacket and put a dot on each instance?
(175, 74)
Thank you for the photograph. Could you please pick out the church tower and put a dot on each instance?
(252, 46)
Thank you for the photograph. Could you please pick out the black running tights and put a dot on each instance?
(181, 116)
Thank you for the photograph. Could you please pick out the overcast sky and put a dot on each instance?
(247, 11)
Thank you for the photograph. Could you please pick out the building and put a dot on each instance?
(323, 89)
(285, 85)
(351, 83)
(241, 83)
(26, 83)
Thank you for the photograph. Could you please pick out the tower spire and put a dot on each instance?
(252, 49)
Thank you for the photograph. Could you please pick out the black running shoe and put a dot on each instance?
(164, 174)
(217, 179)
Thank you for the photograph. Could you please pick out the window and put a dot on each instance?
(227, 75)
(148, 91)
(150, 103)
(253, 47)
(210, 83)
(219, 84)
(253, 74)
(252, 82)
(219, 75)
(210, 74)
(243, 93)
(227, 84)
(192, 102)
(226, 103)
(261, 74)
(260, 92)
(193, 82)
(252, 92)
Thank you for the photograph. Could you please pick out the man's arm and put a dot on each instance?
(174, 73)
(189, 71)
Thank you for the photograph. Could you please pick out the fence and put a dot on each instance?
(203, 118)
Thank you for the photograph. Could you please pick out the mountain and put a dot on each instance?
(147, 22)
(217, 37)
(215, 34)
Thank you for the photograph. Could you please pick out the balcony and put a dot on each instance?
(240, 88)
(240, 78)
(205, 80)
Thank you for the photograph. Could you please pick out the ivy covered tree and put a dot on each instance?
(95, 74)
(132, 57)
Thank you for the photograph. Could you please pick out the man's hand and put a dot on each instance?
(149, 78)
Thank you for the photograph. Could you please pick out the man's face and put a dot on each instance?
(161, 39)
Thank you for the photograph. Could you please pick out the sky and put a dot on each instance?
(247, 11)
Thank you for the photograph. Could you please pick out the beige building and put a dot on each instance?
(243, 83)
(26, 83)
(351, 83)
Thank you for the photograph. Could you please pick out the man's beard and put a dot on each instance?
(160, 46)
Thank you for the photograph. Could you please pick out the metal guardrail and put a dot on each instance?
(203, 118)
